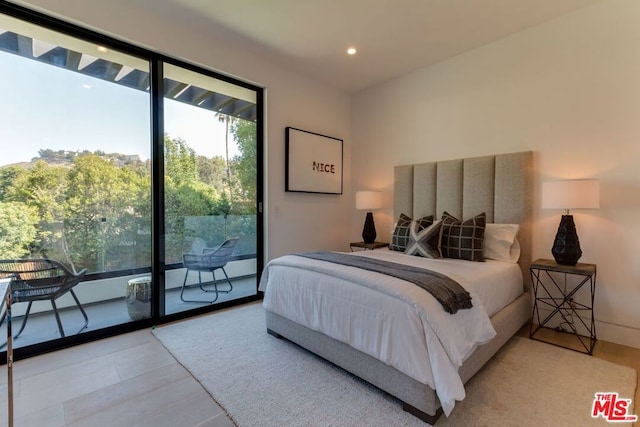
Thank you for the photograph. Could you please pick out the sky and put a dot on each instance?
(47, 107)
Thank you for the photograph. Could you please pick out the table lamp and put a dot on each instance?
(567, 195)
(368, 200)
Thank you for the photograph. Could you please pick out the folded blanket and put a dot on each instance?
(445, 290)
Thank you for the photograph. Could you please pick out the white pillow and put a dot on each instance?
(500, 242)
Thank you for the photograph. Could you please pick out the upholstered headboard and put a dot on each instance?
(498, 185)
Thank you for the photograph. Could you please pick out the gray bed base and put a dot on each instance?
(498, 185)
(418, 399)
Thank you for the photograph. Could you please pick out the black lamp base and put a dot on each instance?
(566, 246)
(369, 230)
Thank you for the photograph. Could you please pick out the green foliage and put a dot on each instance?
(18, 229)
(179, 161)
(60, 156)
(9, 175)
(211, 171)
(244, 133)
(42, 187)
(101, 210)
(93, 210)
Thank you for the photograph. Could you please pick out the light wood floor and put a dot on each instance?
(131, 380)
(616, 353)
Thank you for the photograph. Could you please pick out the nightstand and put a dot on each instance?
(552, 291)
(370, 246)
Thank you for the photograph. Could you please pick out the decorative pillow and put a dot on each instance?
(500, 242)
(424, 241)
(400, 236)
(462, 240)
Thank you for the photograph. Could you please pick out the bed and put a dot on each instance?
(400, 342)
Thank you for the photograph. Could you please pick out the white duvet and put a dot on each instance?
(393, 320)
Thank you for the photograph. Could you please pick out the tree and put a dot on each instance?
(8, 177)
(93, 209)
(43, 186)
(189, 200)
(227, 120)
(100, 211)
(211, 171)
(18, 229)
(179, 161)
(245, 135)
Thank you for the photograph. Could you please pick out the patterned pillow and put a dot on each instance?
(424, 241)
(462, 240)
(400, 236)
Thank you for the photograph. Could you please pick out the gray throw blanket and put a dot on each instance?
(447, 291)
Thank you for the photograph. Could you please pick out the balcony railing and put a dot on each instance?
(104, 302)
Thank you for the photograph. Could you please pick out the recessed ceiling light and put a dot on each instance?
(102, 49)
(86, 86)
(352, 51)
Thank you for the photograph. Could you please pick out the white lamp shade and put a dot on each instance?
(368, 200)
(571, 194)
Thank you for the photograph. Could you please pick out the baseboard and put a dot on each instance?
(618, 334)
(612, 332)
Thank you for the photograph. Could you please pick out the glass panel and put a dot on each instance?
(210, 189)
(74, 173)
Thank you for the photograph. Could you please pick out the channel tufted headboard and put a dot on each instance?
(499, 185)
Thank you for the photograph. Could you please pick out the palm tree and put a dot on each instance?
(228, 120)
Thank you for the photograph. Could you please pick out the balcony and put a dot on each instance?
(105, 304)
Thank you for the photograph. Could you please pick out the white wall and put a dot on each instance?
(304, 222)
(569, 90)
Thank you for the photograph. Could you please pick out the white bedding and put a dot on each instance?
(391, 319)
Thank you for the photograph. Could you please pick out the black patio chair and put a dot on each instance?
(208, 261)
(41, 280)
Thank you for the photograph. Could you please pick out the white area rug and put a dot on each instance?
(263, 381)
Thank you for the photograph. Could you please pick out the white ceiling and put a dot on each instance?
(393, 37)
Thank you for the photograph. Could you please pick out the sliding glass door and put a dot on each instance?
(75, 173)
(210, 189)
(85, 181)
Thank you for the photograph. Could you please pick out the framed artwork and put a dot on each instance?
(313, 162)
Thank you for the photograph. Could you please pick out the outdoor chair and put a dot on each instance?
(209, 260)
(41, 280)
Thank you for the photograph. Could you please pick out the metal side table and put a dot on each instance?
(549, 292)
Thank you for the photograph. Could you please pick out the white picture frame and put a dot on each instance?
(313, 162)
